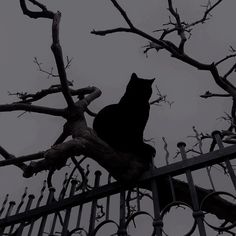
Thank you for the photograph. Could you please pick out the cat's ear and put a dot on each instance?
(133, 76)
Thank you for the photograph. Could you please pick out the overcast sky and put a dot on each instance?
(107, 62)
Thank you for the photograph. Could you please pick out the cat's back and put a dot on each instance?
(107, 122)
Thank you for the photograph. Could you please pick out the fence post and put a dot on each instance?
(197, 213)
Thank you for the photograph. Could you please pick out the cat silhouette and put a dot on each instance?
(122, 125)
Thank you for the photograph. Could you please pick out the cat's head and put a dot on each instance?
(139, 88)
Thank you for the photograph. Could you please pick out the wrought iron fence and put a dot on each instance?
(64, 215)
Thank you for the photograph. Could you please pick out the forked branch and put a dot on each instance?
(56, 47)
(44, 13)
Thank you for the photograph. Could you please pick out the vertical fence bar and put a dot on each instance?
(8, 213)
(18, 208)
(53, 225)
(122, 229)
(197, 213)
(22, 225)
(108, 200)
(4, 204)
(68, 210)
(172, 188)
(37, 205)
(94, 205)
(157, 221)
(61, 197)
(217, 136)
(138, 200)
(79, 216)
(44, 218)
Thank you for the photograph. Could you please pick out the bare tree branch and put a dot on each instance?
(93, 94)
(12, 160)
(123, 13)
(49, 73)
(110, 31)
(57, 51)
(161, 98)
(33, 97)
(179, 26)
(56, 47)
(208, 94)
(231, 70)
(209, 8)
(44, 13)
(225, 59)
(32, 108)
(9, 156)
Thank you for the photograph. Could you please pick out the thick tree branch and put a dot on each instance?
(93, 93)
(57, 51)
(9, 156)
(123, 166)
(32, 108)
(12, 160)
(33, 97)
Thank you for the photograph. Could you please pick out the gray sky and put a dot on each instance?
(107, 62)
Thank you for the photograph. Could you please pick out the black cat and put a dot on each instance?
(122, 125)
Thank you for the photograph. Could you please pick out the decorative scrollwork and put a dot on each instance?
(102, 224)
(167, 208)
(221, 228)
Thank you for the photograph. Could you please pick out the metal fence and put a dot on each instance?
(64, 215)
